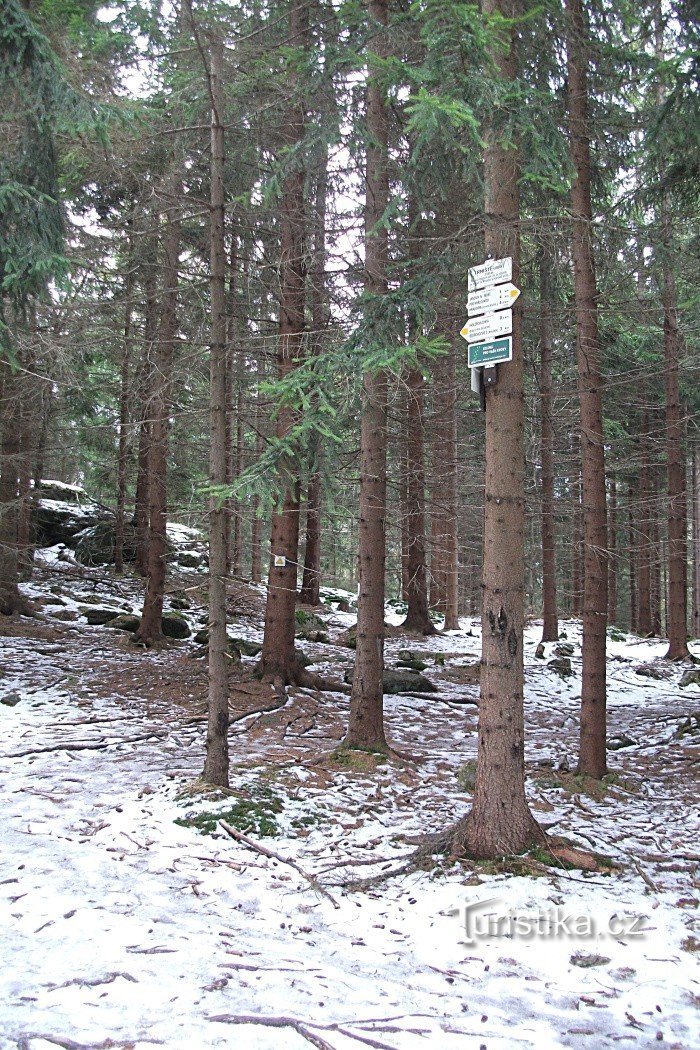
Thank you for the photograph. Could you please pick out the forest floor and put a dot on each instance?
(124, 925)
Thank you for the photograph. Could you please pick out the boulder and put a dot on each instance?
(617, 743)
(691, 677)
(175, 625)
(310, 627)
(561, 666)
(125, 622)
(191, 559)
(96, 544)
(412, 661)
(564, 649)
(397, 681)
(97, 616)
(650, 671)
(177, 602)
(246, 647)
(60, 520)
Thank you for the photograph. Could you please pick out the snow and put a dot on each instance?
(86, 509)
(182, 534)
(119, 924)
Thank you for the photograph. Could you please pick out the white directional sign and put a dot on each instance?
(489, 299)
(490, 326)
(493, 271)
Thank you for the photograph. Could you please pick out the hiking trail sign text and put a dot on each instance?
(493, 352)
(490, 326)
(493, 271)
(489, 299)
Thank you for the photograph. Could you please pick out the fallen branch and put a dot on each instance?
(94, 982)
(24, 1040)
(90, 747)
(274, 1022)
(271, 855)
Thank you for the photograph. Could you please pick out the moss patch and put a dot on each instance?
(357, 760)
(252, 810)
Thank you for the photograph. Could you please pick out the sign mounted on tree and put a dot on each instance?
(490, 326)
(280, 561)
(488, 299)
(491, 353)
(493, 271)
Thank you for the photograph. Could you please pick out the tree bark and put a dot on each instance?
(216, 762)
(150, 631)
(612, 552)
(150, 290)
(320, 317)
(366, 722)
(500, 820)
(643, 518)
(550, 625)
(417, 615)
(696, 540)
(11, 601)
(592, 752)
(124, 397)
(677, 606)
(445, 468)
(278, 659)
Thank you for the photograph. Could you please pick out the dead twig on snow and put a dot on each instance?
(271, 855)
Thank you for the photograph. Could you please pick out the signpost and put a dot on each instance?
(490, 326)
(493, 271)
(489, 300)
(496, 351)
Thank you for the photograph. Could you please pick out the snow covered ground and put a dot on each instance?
(121, 927)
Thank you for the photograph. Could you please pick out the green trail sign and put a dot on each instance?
(491, 353)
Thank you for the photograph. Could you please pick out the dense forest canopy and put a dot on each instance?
(229, 231)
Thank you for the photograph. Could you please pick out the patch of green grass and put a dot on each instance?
(359, 759)
(252, 812)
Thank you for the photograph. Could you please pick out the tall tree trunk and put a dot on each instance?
(150, 290)
(656, 557)
(644, 530)
(500, 820)
(592, 753)
(577, 543)
(632, 554)
(445, 469)
(216, 762)
(278, 660)
(366, 722)
(677, 607)
(150, 631)
(550, 626)
(696, 540)
(320, 317)
(310, 593)
(612, 552)
(232, 416)
(417, 615)
(11, 601)
(124, 396)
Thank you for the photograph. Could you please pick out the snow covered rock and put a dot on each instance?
(61, 511)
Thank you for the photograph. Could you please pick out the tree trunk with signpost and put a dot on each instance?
(500, 821)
